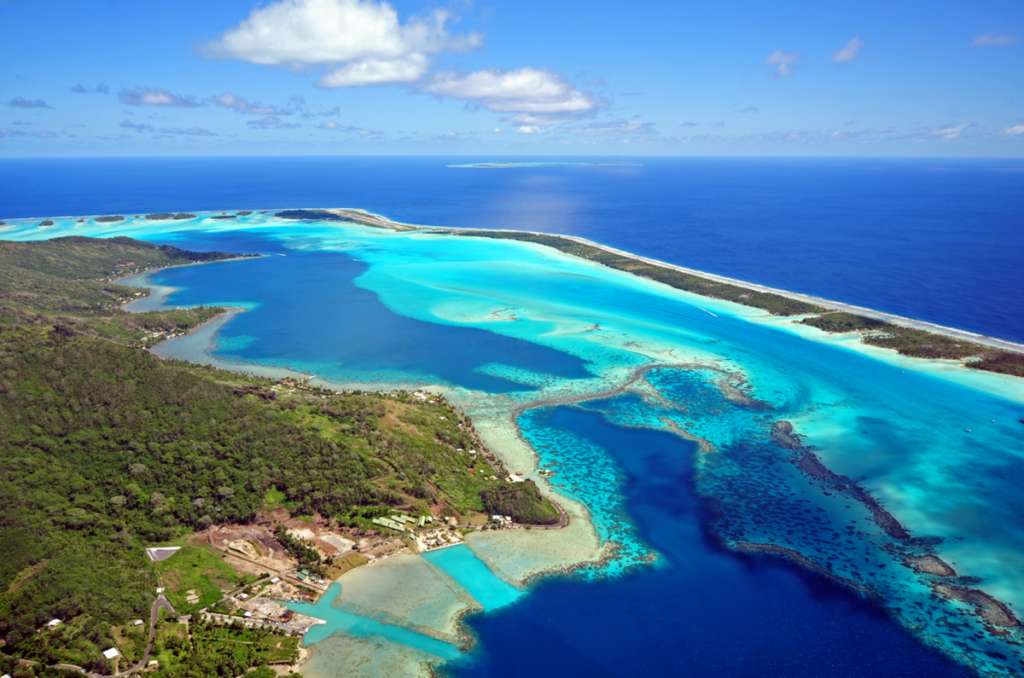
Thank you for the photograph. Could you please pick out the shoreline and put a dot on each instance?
(242, 367)
(375, 220)
(829, 304)
(571, 550)
(367, 218)
(974, 351)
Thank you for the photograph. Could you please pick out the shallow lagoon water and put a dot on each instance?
(931, 238)
(538, 325)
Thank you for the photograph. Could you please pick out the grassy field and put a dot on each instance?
(201, 570)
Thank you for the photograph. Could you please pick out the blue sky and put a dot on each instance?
(189, 77)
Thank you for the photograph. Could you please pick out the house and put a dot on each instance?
(111, 653)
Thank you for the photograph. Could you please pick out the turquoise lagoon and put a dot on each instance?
(515, 331)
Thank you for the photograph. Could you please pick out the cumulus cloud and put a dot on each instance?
(524, 90)
(849, 51)
(155, 97)
(377, 71)
(100, 88)
(363, 41)
(1014, 131)
(22, 102)
(783, 62)
(993, 40)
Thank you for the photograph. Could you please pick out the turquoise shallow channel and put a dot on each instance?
(624, 389)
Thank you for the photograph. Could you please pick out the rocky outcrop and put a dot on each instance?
(930, 564)
(993, 612)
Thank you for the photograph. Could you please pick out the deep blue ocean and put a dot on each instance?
(941, 240)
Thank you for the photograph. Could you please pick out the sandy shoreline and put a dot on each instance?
(829, 304)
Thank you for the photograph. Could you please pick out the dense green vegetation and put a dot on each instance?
(775, 304)
(107, 449)
(308, 557)
(918, 343)
(69, 281)
(208, 650)
(522, 501)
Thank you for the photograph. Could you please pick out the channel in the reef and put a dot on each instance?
(338, 620)
(702, 610)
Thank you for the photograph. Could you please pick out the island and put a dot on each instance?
(230, 509)
(116, 560)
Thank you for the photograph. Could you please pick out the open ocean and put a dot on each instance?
(940, 240)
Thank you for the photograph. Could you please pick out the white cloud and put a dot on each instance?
(524, 90)
(155, 97)
(376, 71)
(363, 39)
(994, 40)
(951, 132)
(849, 51)
(783, 62)
(1014, 131)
